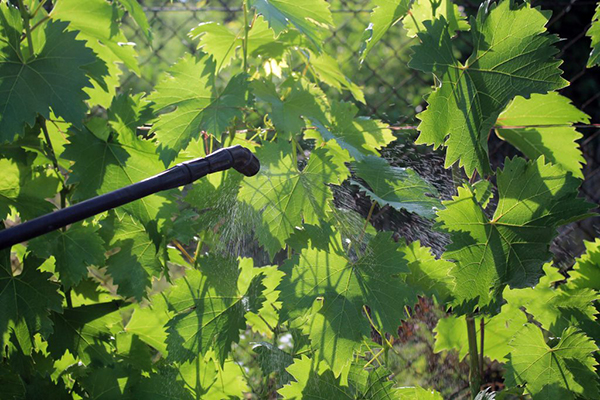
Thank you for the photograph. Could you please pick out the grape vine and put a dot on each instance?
(155, 299)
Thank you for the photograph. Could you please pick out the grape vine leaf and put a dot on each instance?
(509, 249)
(189, 87)
(27, 297)
(308, 16)
(148, 323)
(85, 332)
(209, 305)
(586, 271)
(98, 21)
(594, 34)
(328, 70)
(360, 136)
(136, 12)
(503, 65)
(103, 166)
(75, 249)
(563, 371)
(555, 308)
(556, 143)
(273, 362)
(427, 10)
(399, 188)
(287, 196)
(430, 275)
(222, 44)
(58, 84)
(418, 393)
(25, 190)
(134, 259)
(385, 14)
(334, 288)
(300, 98)
(313, 382)
(214, 382)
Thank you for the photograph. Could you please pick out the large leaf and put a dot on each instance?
(298, 99)
(563, 371)
(399, 188)
(503, 65)
(307, 16)
(594, 34)
(189, 88)
(361, 136)
(429, 10)
(85, 332)
(556, 143)
(27, 297)
(342, 286)
(511, 247)
(98, 21)
(586, 271)
(25, 190)
(210, 304)
(55, 72)
(135, 10)
(103, 166)
(287, 196)
(74, 249)
(385, 14)
(134, 259)
(555, 308)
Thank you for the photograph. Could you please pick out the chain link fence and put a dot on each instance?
(393, 92)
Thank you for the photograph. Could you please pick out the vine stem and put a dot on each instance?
(25, 16)
(246, 32)
(474, 370)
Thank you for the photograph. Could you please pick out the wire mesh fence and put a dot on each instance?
(393, 92)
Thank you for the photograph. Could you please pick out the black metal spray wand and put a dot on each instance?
(237, 157)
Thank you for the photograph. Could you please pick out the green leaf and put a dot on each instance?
(361, 136)
(555, 308)
(134, 259)
(55, 72)
(594, 34)
(308, 16)
(430, 10)
(299, 99)
(75, 249)
(429, 275)
(103, 383)
(217, 41)
(327, 69)
(511, 247)
(86, 332)
(286, 196)
(342, 286)
(25, 190)
(313, 382)
(189, 88)
(563, 371)
(126, 113)
(212, 382)
(503, 65)
(418, 393)
(98, 23)
(586, 271)
(385, 14)
(210, 304)
(272, 360)
(27, 297)
(556, 143)
(164, 384)
(103, 166)
(399, 188)
(136, 12)
(148, 323)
